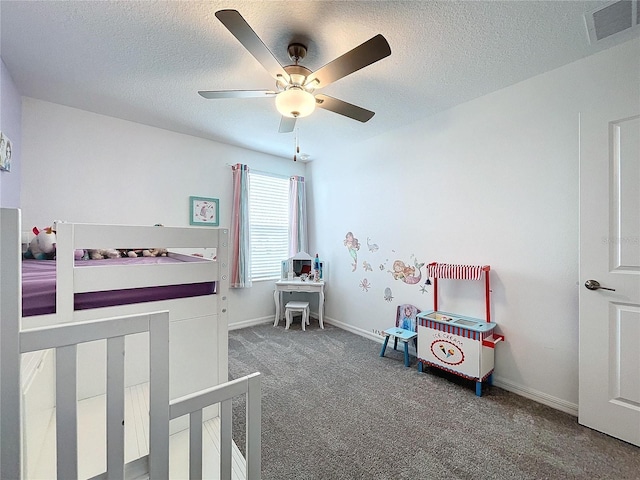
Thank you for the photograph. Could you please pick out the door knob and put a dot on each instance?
(595, 285)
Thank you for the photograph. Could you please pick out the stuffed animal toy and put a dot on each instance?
(147, 252)
(43, 245)
(136, 252)
(101, 253)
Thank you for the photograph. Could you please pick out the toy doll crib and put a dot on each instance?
(58, 341)
(456, 343)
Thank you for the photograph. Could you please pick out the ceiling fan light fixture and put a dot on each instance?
(281, 82)
(295, 102)
(312, 85)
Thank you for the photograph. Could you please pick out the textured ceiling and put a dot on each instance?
(145, 61)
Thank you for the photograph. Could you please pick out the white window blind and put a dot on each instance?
(269, 219)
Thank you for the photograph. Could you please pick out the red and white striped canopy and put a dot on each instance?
(457, 272)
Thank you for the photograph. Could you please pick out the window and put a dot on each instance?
(269, 220)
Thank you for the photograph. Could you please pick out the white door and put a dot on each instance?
(609, 383)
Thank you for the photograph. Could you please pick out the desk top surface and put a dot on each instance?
(299, 282)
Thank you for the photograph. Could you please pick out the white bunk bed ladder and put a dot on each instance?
(65, 339)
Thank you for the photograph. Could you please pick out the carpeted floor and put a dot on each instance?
(332, 408)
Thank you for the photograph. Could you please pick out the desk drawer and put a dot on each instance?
(302, 288)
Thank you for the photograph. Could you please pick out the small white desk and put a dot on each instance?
(298, 286)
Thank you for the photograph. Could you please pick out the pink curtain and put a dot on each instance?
(240, 249)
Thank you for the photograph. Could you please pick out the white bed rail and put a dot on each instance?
(193, 405)
(65, 339)
(72, 236)
(10, 313)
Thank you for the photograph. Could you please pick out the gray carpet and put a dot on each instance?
(332, 408)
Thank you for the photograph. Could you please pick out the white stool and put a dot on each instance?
(302, 307)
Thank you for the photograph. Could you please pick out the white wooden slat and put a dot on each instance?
(80, 332)
(115, 408)
(115, 277)
(133, 236)
(222, 254)
(64, 272)
(199, 400)
(159, 396)
(66, 416)
(10, 313)
(254, 431)
(185, 257)
(222, 293)
(226, 439)
(195, 444)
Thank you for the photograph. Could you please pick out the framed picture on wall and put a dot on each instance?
(204, 211)
(5, 153)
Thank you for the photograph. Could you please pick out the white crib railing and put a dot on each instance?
(65, 338)
(223, 394)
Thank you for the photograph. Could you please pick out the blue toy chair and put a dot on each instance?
(406, 329)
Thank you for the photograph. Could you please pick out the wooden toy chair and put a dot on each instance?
(405, 330)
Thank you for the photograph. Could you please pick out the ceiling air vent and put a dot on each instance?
(611, 19)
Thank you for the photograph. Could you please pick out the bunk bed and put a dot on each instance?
(128, 301)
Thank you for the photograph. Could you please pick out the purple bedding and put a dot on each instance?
(39, 287)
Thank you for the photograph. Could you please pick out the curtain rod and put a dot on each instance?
(271, 174)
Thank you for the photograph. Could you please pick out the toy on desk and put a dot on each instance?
(456, 343)
(317, 268)
(405, 330)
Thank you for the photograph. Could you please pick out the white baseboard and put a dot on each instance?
(250, 323)
(537, 396)
(358, 331)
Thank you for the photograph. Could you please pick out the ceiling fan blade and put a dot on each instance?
(343, 108)
(369, 52)
(287, 124)
(237, 94)
(240, 29)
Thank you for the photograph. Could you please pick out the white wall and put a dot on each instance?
(11, 126)
(83, 167)
(493, 181)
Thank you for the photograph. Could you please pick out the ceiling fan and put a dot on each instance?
(294, 94)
